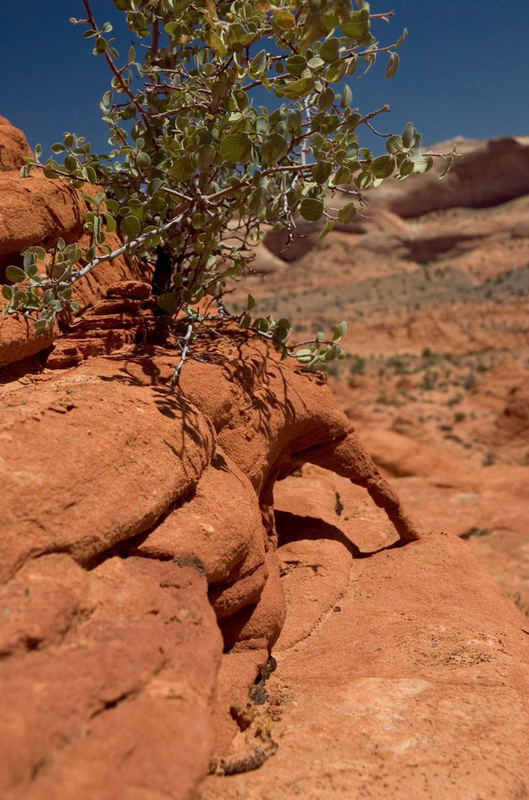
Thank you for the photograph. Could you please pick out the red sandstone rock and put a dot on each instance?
(109, 670)
(18, 339)
(13, 146)
(36, 211)
(490, 172)
(511, 428)
(78, 449)
(387, 698)
(109, 692)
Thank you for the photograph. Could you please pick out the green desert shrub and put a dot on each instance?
(199, 163)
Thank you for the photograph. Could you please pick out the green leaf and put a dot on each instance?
(394, 144)
(326, 99)
(343, 175)
(15, 274)
(236, 147)
(143, 160)
(363, 180)
(382, 167)
(402, 37)
(296, 64)
(42, 325)
(183, 168)
(283, 19)
(262, 324)
(408, 136)
(406, 168)
(422, 164)
(321, 171)
(327, 228)
(392, 65)
(298, 89)
(330, 50)
(198, 221)
(258, 62)
(110, 222)
(347, 97)
(100, 46)
(38, 252)
(171, 27)
(352, 64)
(415, 150)
(273, 149)
(89, 174)
(169, 302)
(339, 331)
(347, 213)
(32, 301)
(315, 62)
(357, 27)
(29, 259)
(154, 186)
(205, 156)
(38, 151)
(336, 71)
(89, 200)
(311, 209)
(304, 354)
(7, 292)
(130, 226)
(216, 43)
(294, 123)
(313, 29)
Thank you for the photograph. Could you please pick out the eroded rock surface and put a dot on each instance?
(107, 474)
(13, 146)
(383, 697)
(158, 546)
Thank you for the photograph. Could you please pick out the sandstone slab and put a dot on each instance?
(386, 700)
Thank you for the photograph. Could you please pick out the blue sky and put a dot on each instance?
(464, 69)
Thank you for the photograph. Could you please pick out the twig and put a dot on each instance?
(185, 347)
(377, 133)
(115, 70)
(121, 250)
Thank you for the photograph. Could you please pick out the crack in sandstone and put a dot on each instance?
(324, 616)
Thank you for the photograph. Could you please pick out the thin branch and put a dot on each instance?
(374, 114)
(121, 250)
(377, 133)
(185, 347)
(114, 69)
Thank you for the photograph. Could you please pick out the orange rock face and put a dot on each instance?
(157, 546)
(128, 479)
(13, 146)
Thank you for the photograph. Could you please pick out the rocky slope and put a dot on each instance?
(159, 546)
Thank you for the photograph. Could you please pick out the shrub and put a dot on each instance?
(197, 168)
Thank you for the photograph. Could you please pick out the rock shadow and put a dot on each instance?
(293, 528)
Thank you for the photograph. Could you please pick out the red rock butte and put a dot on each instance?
(255, 587)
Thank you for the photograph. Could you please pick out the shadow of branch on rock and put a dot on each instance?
(292, 528)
